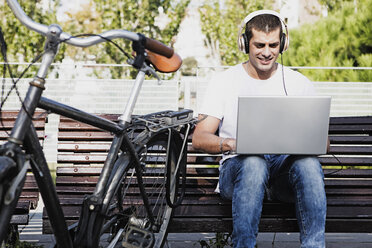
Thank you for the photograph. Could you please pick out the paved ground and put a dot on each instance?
(33, 233)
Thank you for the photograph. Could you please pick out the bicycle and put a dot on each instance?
(145, 149)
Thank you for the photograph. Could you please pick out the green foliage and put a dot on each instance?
(220, 24)
(96, 17)
(23, 44)
(189, 66)
(333, 5)
(24, 244)
(135, 16)
(341, 39)
(12, 240)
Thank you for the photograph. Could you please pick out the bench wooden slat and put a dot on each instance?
(77, 126)
(182, 225)
(84, 147)
(85, 136)
(81, 158)
(271, 210)
(111, 117)
(3, 135)
(215, 199)
(330, 161)
(349, 191)
(23, 207)
(198, 182)
(358, 120)
(8, 124)
(19, 219)
(343, 192)
(346, 161)
(100, 158)
(349, 150)
(350, 139)
(350, 129)
(205, 172)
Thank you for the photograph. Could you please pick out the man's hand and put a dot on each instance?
(230, 145)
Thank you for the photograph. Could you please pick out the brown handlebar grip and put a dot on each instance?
(164, 64)
(158, 47)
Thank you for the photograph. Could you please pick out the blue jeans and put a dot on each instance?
(298, 179)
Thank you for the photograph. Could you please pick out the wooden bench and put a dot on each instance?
(82, 149)
(30, 194)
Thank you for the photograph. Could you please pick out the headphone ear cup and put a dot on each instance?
(246, 43)
(282, 42)
(241, 43)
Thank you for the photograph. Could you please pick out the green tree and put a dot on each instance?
(135, 16)
(23, 44)
(343, 38)
(189, 66)
(334, 5)
(220, 24)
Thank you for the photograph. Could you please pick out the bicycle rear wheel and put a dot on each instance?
(153, 158)
(126, 218)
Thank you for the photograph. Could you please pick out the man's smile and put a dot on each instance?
(265, 61)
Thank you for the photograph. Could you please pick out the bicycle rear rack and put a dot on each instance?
(158, 121)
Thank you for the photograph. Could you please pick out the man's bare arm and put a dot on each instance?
(205, 139)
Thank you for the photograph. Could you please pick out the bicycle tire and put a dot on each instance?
(129, 202)
(154, 157)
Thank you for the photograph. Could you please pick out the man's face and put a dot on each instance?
(264, 50)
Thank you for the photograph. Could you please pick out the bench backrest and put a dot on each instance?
(348, 179)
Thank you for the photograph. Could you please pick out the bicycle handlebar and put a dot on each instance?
(25, 20)
(159, 48)
(152, 45)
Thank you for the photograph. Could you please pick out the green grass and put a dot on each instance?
(22, 244)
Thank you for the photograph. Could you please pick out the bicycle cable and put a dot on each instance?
(104, 38)
(6, 67)
(338, 170)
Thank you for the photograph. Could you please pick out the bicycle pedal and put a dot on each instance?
(137, 237)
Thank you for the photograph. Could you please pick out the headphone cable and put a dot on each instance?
(285, 89)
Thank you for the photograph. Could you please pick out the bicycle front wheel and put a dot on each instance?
(153, 158)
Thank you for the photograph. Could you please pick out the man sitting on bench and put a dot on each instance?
(245, 179)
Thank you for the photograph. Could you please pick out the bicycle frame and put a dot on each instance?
(24, 133)
(24, 128)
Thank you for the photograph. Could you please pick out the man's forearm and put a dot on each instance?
(212, 143)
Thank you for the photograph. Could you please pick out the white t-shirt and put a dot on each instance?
(221, 98)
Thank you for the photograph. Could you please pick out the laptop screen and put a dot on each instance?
(283, 124)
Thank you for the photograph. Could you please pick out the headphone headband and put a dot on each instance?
(242, 42)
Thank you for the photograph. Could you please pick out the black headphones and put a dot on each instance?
(243, 42)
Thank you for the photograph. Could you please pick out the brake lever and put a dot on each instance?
(148, 69)
(140, 59)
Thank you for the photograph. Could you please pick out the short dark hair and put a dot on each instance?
(265, 23)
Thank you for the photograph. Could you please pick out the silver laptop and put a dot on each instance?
(283, 124)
